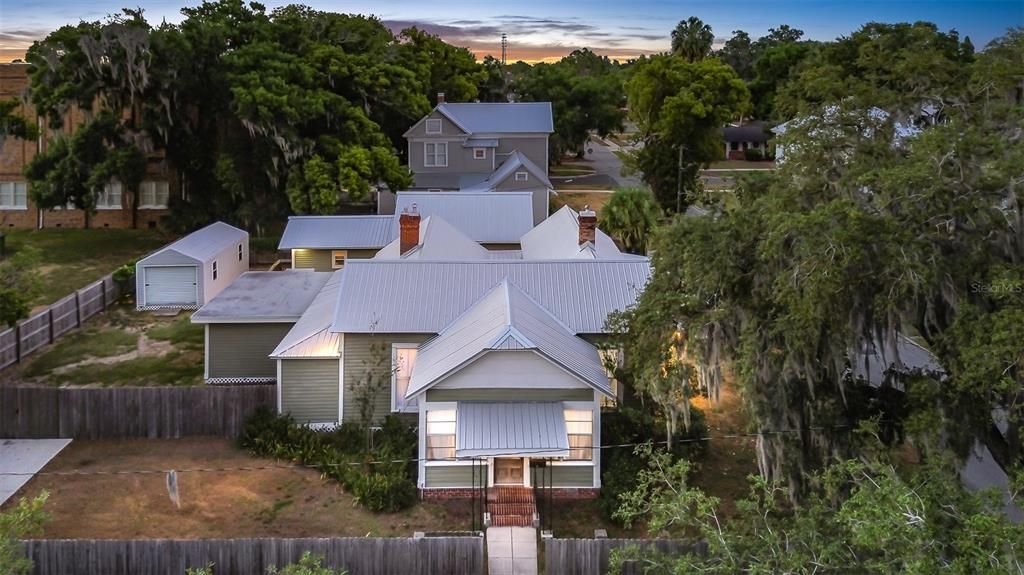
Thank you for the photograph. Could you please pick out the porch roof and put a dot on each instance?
(495, 429)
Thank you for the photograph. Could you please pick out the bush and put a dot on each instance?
(753, 155)
(385, 491)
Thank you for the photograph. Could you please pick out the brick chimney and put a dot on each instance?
(440, 97)
(409, 224)
(588, 226)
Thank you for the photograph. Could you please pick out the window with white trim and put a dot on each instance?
(479, 153)
(579, 425)
(403, 358)
(522, 176)
(611, 360)
(153, 195)
(338, 258)
(110, 197)
(441, 434)
(13, 196)
(214, 269)
(435, 154)
(433, 126)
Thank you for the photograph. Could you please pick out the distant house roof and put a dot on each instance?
(438, 241)
(205, 243)
(505, 318)
(484, 217)
(336, 232)
(389, 296)
(500, 117)
(557, 237)
(310, 336)
(263, 297)
(753, 132)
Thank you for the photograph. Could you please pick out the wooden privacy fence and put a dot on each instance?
(360, 556)
(154, 412)
(591, 556)
(47, 326)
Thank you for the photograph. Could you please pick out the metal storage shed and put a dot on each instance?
(191, 271)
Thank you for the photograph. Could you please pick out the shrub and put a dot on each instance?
(385, 491)
(753, 155)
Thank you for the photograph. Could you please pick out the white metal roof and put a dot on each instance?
(484, 217)
(388, 296)
(310, 337)
(494, 429)
(263, 297)
(336, 232)
(505, 319)
(438, 241)
(558, 237)
(203, 244)
(500, 117)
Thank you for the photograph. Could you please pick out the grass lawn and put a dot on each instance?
(576, 200)
(120, 347)
(569, 170)
(560, 187)
(280, 502)
(741, 165)
(72, 258)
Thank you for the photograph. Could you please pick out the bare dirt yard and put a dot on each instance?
(120, 346)
(577, 199)
(278, 502)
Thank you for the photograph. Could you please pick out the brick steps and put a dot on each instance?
(511, 506)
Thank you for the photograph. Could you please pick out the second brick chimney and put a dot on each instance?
(588, 226)
(409, 225)
(440, 97)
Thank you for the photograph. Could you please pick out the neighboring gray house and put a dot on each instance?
(191, 271)
(247, 320)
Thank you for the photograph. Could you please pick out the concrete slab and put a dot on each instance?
(511, 551)
(22, 459)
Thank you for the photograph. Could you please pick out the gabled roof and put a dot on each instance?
(337, 232)
(557, 237)
(439, 241)
(500, 117)
(482, 216)
(207, 242)
(310, 337)
(517, 162)
(264, 297)
(392, 296)
(505, 318)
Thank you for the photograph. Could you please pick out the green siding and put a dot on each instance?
(309, 389)
(510, 395)
(241, 349)
(566, 476)
(368, 358)
(454, 476)
(320, 260)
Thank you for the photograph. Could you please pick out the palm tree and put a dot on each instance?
(630, 216)
(692, 39)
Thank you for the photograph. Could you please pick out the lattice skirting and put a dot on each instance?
(241, 380)
(191, 307)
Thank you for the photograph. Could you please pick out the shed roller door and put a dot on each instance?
(171, 285)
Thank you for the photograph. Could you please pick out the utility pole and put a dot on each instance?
(504, 47)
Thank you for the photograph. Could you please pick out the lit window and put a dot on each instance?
(435, 154)
(611, 359)
(153, 195)
(403, 357)
(579, 425)
(441, 434)
(338, 259)
(433, 126)
(13, 196)
(214, 269)
(110, 197)
(239, 252)
(479, 153)
(522, 176)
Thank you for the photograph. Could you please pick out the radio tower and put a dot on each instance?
(504, 47)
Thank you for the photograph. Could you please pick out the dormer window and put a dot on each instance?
(522, 176)
(433, 126)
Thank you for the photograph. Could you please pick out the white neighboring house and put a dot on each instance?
(189, 272)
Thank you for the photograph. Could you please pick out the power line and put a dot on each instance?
(468, 460)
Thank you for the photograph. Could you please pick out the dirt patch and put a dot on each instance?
(276, 502)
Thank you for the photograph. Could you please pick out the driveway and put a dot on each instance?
(20, 459)
(605, 162)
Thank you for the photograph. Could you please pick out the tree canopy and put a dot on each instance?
(692, 39)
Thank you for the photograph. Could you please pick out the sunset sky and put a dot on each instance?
(549, 29)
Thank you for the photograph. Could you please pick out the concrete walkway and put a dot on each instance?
(24, 458)
(511, 551)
